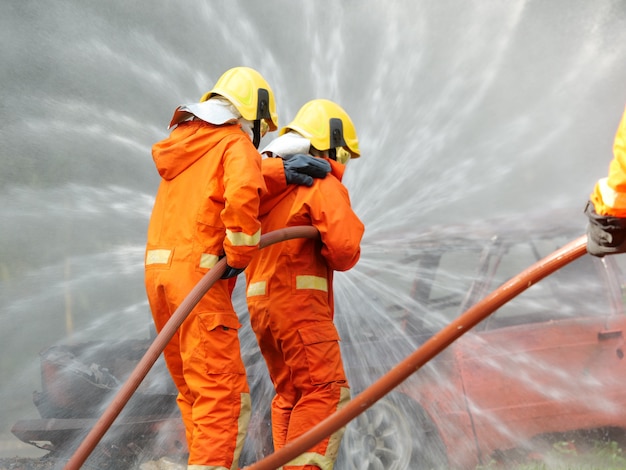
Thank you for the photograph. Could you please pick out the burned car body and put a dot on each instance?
(548, 362)
(80, 380)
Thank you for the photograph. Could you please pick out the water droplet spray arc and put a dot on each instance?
(370, 395)
(437, 343)
(463, 112)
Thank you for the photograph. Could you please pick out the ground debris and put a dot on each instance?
(55, 462)
(23, 463)
(103, 461)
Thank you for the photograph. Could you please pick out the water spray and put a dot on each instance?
(158, 345)
(437, 343)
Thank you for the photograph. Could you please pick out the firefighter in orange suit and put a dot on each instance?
(207, 207)
(289, 285)
(606, 210)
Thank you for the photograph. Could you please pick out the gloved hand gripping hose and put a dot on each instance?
(437, 343)
(158, 345)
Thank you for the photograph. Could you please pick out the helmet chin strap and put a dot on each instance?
(256, 133)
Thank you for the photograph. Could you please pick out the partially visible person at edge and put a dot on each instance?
(206, 208)
(606, 209)
(289, 285)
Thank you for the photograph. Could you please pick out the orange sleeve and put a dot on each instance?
(340, 228)
(243, 186)
(275, 183)
(609, 194)
(274, 175)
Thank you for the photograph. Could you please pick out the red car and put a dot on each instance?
(547, 364)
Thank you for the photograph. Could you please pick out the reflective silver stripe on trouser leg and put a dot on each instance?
(242, 429)
(326, 461)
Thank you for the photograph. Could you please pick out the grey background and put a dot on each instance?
(465, 110)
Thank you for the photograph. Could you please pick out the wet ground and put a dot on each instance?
(50, 462)
(96, 461)
(20, 463)
(585, 450)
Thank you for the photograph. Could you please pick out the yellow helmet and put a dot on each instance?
(326, 125)
(249, 92)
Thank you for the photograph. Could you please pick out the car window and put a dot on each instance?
(461, 276)
(432, 284)
(452, 280)
(620, 267)
(579, 289)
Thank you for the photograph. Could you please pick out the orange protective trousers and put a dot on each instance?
(205, 363)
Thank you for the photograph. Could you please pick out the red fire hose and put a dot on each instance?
(437, 343)
(158, 345)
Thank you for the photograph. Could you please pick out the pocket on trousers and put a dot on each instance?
(220, 349)
(321, 346)
(212, 321)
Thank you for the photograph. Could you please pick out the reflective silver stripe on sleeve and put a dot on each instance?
(158, 256)
(312, 282)
(242, 239)
(256, 288)
(610, 197)
(207, 260)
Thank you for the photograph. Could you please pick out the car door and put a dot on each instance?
(550, 360)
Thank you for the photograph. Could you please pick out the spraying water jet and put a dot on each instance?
(460, 408)
(426, 352)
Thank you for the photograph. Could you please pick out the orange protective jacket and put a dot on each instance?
(206, 207)
(609, 194)
(280, 265)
